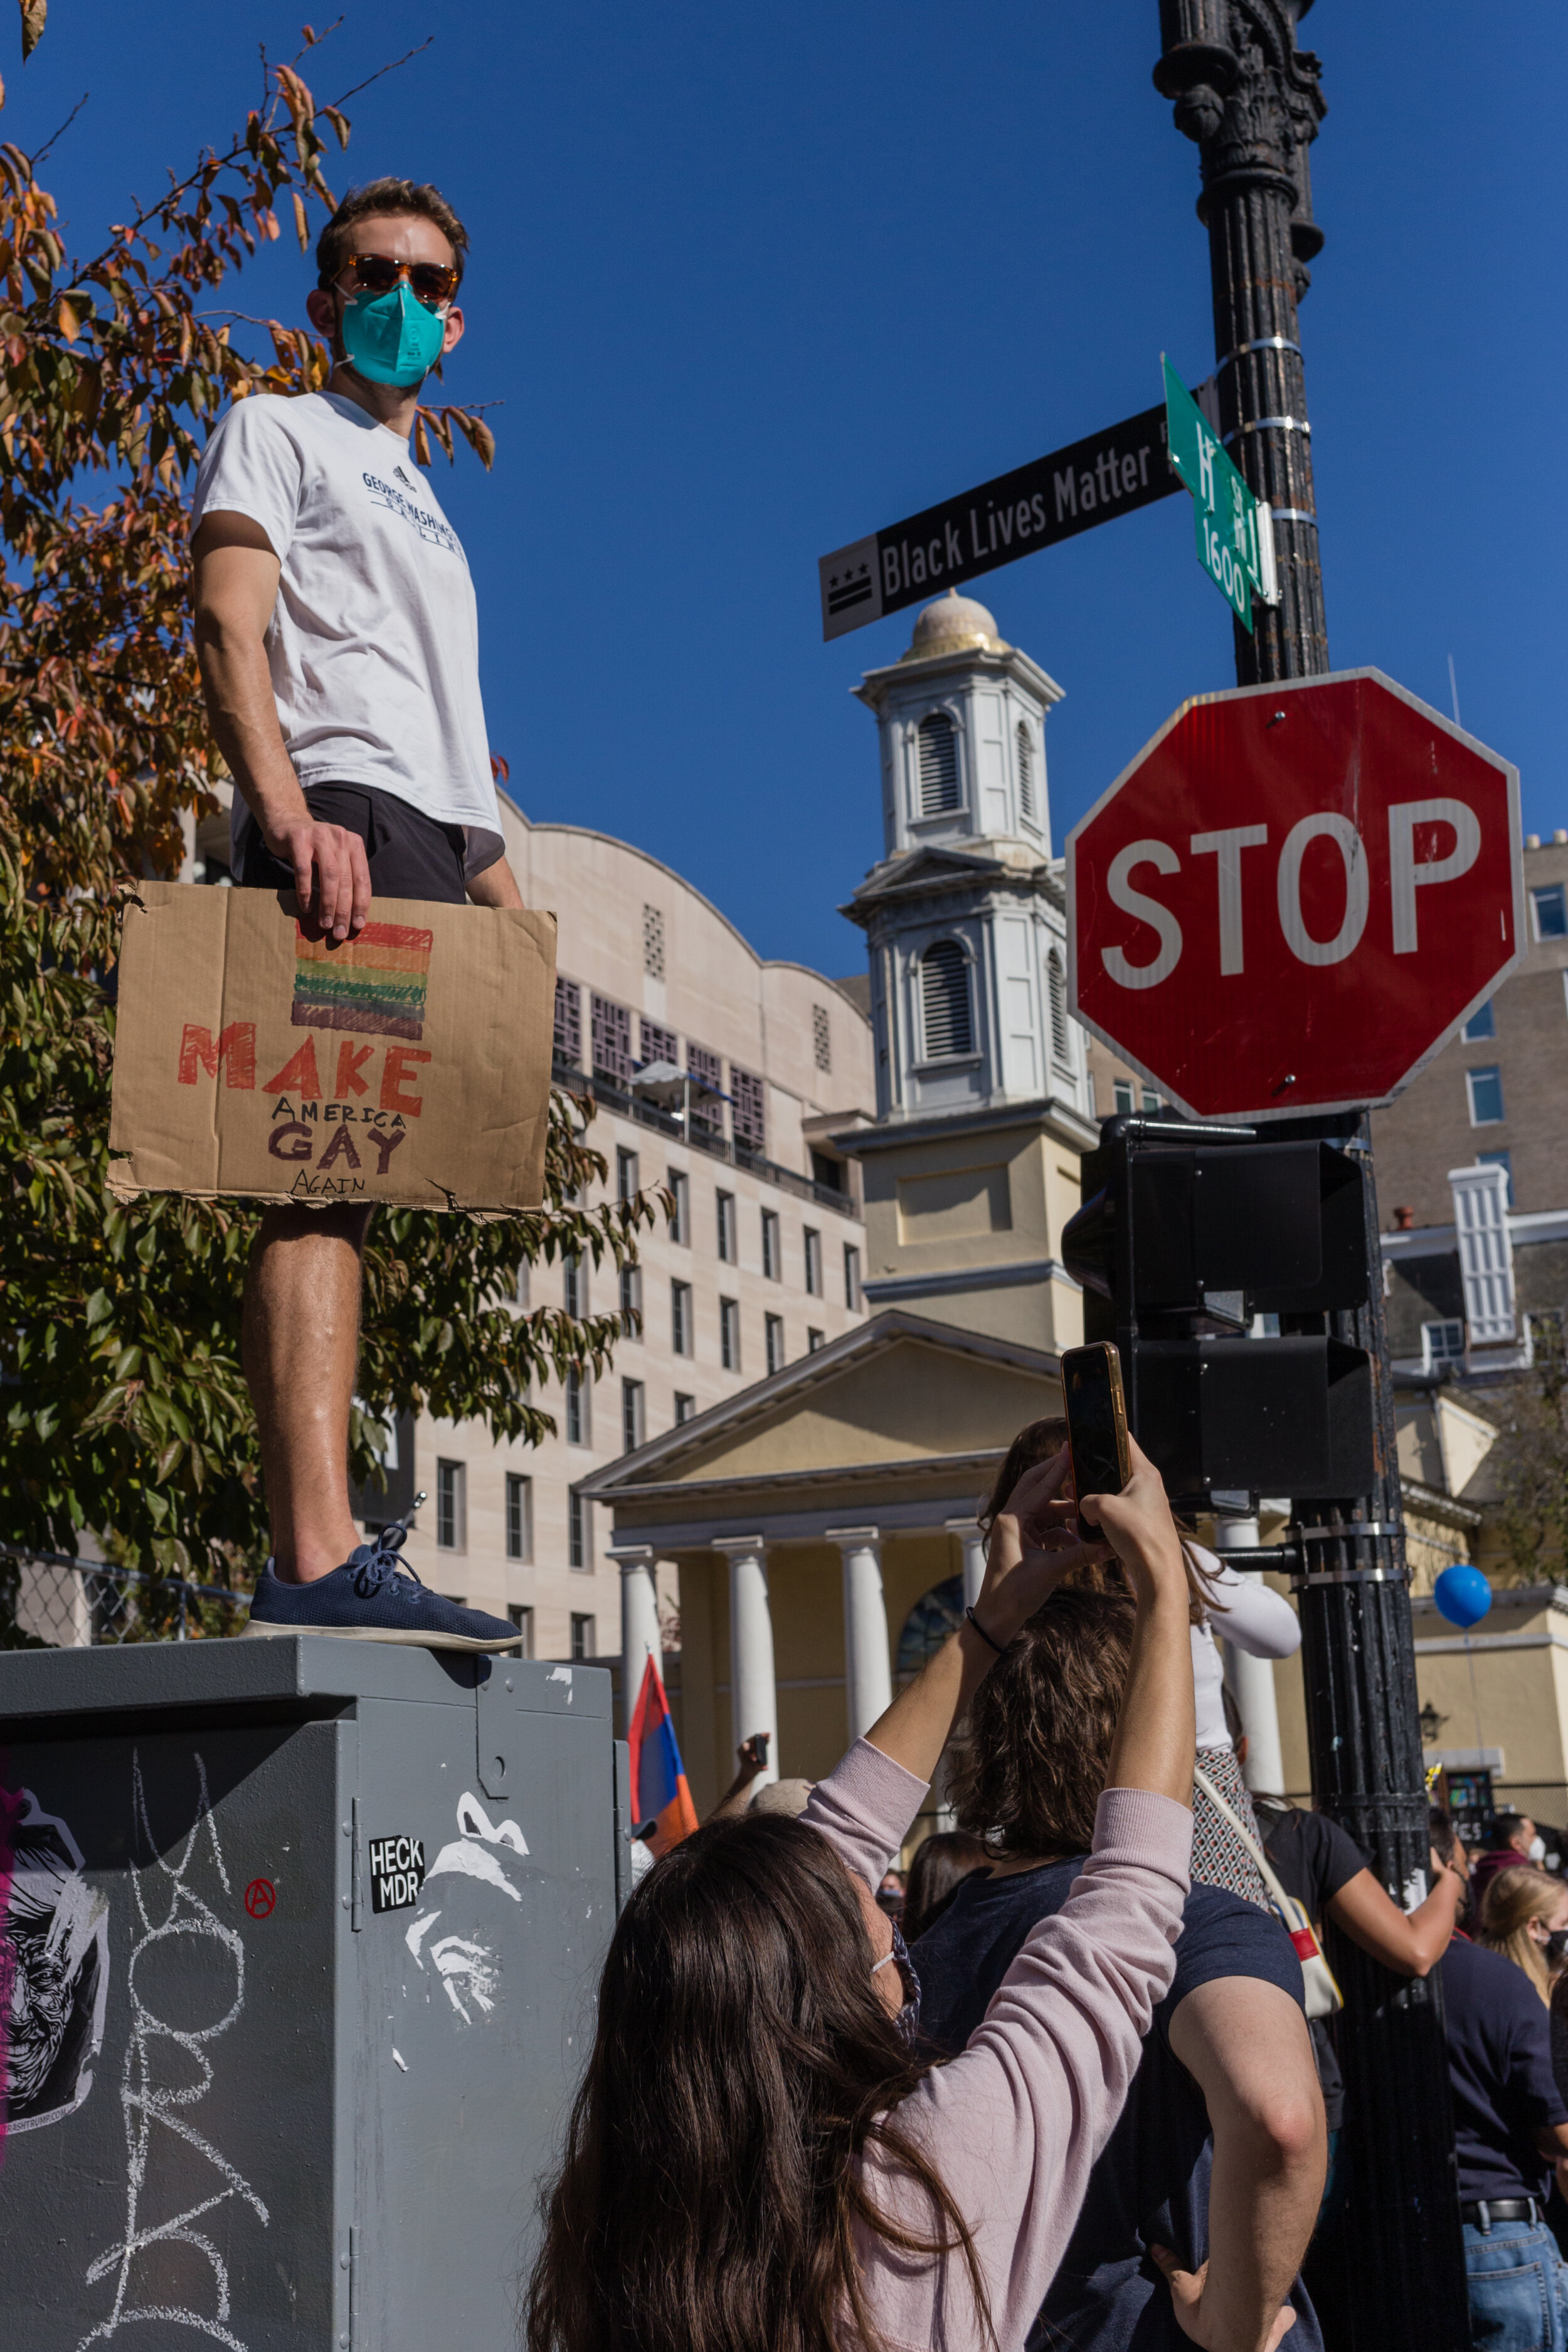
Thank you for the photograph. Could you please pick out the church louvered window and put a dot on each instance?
(1057, 989)
(944, 1002)
(1026, 774)
(938, 765)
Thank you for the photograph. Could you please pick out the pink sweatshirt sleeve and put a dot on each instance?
(864, 1809)
(1016, 2122)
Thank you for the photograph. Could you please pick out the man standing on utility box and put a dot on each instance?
(338, 638)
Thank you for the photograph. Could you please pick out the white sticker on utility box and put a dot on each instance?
(396, 1873)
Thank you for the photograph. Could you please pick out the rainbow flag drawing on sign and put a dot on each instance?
(374, 985)
(659, 1792)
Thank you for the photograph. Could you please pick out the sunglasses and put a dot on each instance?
(378, 273)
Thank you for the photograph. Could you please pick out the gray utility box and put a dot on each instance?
(299, 1947)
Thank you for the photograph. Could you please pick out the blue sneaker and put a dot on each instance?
(375, 1597)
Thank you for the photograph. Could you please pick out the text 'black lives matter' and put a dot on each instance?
(396, 1873)
(1090, 481)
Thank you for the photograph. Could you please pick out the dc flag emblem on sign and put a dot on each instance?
(659, 1794)
(1295, 896)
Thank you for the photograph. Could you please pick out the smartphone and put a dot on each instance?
(762, 1741)
(1097, 1419)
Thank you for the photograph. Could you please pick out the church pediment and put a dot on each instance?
(917, 871)
(897, 1392)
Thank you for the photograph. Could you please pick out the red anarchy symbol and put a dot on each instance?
(260, 1897)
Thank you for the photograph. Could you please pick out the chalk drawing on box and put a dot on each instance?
(467, 1968)
(158, 2096)
(54, 1968)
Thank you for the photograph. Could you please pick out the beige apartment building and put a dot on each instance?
(762, 1268)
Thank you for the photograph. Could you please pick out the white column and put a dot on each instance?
(754, 1692)
(868, 1669)
(639, 1622)
(1251, 1679)
(973, 1543)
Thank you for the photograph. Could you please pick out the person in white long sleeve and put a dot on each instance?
(1262, 1623)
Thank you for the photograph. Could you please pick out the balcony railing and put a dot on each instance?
(713, 1140)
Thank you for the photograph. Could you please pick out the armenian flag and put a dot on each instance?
(659, 1792)
(373, 984)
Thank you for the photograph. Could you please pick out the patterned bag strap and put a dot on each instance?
(1276, 1893)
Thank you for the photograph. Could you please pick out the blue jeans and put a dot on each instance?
(1519, 2288)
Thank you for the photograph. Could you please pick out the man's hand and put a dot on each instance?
(1187, 2303)
(331, 873)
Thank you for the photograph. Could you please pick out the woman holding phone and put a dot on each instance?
(759, 2157)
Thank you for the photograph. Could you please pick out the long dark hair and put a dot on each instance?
(1031, 1770)
(710, 2192)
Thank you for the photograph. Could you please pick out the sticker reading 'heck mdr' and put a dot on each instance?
(396, 1873)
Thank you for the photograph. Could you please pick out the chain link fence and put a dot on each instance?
(51, 1602)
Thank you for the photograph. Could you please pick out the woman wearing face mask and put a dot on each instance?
(759, 2158)
(1524, 1916)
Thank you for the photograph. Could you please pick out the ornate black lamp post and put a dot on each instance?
(1249, 98)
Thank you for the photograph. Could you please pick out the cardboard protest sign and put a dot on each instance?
(409, 1066)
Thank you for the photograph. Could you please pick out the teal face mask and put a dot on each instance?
(392, 338)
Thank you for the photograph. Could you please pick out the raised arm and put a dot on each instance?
(1253, 1616)
(236, 575)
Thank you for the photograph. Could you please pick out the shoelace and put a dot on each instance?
(385, 1563)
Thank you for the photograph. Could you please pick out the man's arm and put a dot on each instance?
(1246, 2044)
(1410, 1942)
(235, 589)
(753, 1755)
(496, 886)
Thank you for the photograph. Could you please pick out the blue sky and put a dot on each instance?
(753, 282)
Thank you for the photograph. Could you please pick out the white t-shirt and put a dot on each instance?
(1257, 1619)
(374, 642)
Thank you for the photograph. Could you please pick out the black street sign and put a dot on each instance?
(1089, 482)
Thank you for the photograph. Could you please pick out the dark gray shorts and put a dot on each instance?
(409, 854)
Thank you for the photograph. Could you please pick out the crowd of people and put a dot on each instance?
(1073, 2080)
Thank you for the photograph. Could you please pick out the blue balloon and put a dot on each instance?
(1463, 1595)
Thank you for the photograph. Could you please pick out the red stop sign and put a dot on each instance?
(1294, 896)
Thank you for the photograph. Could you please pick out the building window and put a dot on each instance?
(773, 1247)
(1504, 1160)
(938, 765)
(660, 1043)
(1550, 906)
(1481, 1025)
(730, 1334)
(582, 1637)
(1151, 1102)
(518, 1517)
(680, 1317)
(612, 1041)
(815, 1340)
(826, 1169)
(522, 1618)
(632, 1418)
(1026, 773)
(1057, 994)
(680, 1220)
(710, 1070)
(821, 1038)
(575, 1287)
(653, 943)
(626, 1174)
(725, 1210)
(685, 1408)
(814, 1262)
(579, 1535)
(631, 1301)
(578, 1410)
(569, 1024)
(451, 1507)
(944, 1002)
(1125, 1102)
(773, 1340)
(1442, 1343)
(748, 1110)
(851, 1276)
(1486, 1095)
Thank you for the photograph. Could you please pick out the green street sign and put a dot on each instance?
(1235, 533)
